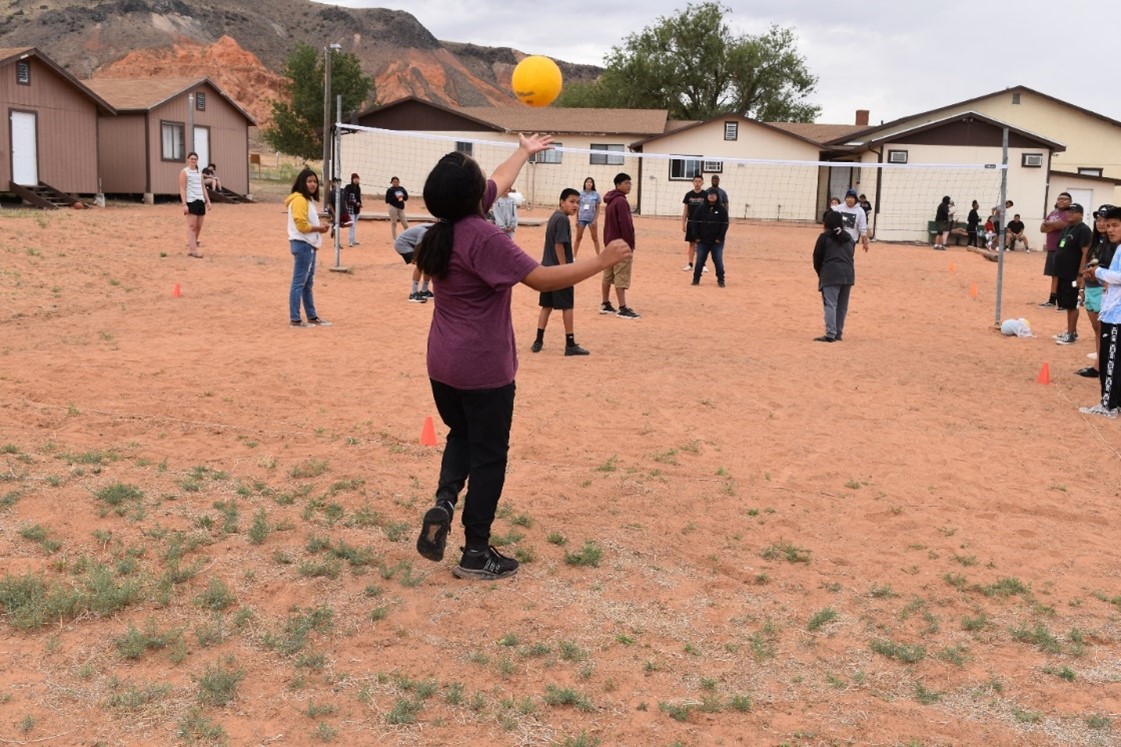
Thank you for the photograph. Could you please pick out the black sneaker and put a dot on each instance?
(425, 293)
(535, 347)
(626, 312)
(606, 308)
(825, 338)
(317, 322)
(1050, 302)
(417, 297)
(1089, 372)
(575, 350)
(486, 565)
(434, 532)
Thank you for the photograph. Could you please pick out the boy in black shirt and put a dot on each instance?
(558, 251)
(1070, 260)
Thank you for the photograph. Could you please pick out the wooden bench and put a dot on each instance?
(959, 234)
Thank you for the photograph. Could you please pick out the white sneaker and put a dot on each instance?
(704, 269)
(1099, 409)
(687, 267)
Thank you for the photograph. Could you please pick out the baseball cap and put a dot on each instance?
(1075, 208)
(1101, 211)
(852, 193)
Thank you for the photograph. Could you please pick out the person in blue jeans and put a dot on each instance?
(835, 265)
(305, 233)
(710, 226)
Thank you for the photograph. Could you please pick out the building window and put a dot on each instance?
(1089, 171)
(731, 131)
(684, 168)
(713, 167)
(598, 159)
(1031, 160)
(200, 101)
(1015, 99)
(171, 141)
(465, 148)
(897, 156)
(23, 72)
(548, 156)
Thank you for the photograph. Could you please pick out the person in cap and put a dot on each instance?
(352, 200)
(333, 197)
(856, 220)
(1110, 318)
(1054, 225)
(1071, 256)
(944, 222)
(1101, 255)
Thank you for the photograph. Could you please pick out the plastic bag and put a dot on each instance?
(1016, 328)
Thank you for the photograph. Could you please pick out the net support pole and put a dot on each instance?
(1003, 226)
(335, 168)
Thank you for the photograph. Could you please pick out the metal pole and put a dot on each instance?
(190, 124)
(326, 177)
(1003, 226)
(336, 167)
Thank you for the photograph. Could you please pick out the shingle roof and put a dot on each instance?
(144, 94)
(818, 133)
(571, 120)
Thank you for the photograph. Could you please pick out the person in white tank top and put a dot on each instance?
(196, 201)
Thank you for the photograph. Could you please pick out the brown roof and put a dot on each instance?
(818, 133)
(570, 120)
(144, 94)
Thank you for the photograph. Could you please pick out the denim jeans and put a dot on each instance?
(353, 225)
(303, 278)
(835, 299)
(475, 454)
(704, 249)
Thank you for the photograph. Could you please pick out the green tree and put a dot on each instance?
(297, 123)
(694, 66)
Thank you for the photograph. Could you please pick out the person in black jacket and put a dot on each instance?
(944, 223)
(835, 266)
(710, 226)
(352, 201)
(972, 223)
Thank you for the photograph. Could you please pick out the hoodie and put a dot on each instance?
(617, 218)
(303, 219)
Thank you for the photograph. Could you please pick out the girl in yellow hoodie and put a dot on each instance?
(304, 236)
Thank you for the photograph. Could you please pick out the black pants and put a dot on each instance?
(973, 237)
(475, 454)
(1109, 365)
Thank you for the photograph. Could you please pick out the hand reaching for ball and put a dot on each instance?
(535, 143)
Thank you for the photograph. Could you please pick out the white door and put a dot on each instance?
(25, 149)
(1085, 198)
(202, 146)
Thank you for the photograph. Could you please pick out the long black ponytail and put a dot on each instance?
(835, 227)
(453, 190)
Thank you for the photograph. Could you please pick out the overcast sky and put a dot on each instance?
(894, 57)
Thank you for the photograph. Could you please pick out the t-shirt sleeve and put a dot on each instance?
(490, 194)
(563, 233)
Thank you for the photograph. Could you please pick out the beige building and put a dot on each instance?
(1092, 141)
(590, 142)
(735, 149)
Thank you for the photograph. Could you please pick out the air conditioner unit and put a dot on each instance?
(1033, 159)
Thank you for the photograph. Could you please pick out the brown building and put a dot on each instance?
(159, 121)
(52, 121)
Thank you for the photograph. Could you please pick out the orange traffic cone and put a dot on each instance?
(175, 291)
(1044, 374)
(428, 433)
(953, 268)
(973, 290)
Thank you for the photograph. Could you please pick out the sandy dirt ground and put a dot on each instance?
(730, 534)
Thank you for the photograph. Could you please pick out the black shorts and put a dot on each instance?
(197, 207)
(1068, 294)
(690, 232)
(562, 299)
(408, 258)
(1049, 264)
(945, 226)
